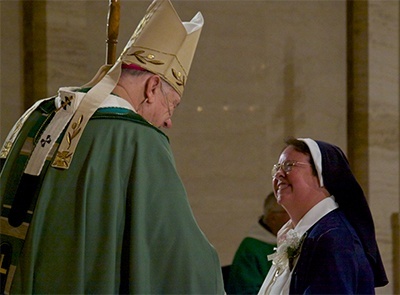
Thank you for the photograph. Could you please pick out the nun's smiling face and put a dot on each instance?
(295, 189)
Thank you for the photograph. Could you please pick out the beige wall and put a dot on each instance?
(11, 106)
(383, 133)
(263, 70)
(373, 127)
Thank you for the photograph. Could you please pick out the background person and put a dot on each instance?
(90, 194)
(250, 264)
(328, 246)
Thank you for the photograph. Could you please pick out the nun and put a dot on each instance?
(328, 246)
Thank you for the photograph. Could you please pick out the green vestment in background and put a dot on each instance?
(250, 264)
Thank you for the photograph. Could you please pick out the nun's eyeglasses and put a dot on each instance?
(286, 167)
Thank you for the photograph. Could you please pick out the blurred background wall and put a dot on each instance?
(263, 70)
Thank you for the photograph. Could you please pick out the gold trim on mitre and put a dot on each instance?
(163, 44)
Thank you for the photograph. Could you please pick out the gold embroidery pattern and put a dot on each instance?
(62, 159)
(76, 129)
(178, 76)
(6, 149)
(7, 146)
(149, 58)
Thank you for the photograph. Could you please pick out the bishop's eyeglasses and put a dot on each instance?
(286, 166)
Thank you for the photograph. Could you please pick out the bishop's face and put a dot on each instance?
(160, 104)
(168, 101)
(294, 182)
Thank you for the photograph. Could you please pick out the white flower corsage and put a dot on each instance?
(288, 249)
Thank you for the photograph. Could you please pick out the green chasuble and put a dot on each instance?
(117, 221)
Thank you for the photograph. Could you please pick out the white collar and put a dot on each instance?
(117, 102)
(316, 213)
(257, 231)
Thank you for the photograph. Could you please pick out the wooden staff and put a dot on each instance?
(112, 31)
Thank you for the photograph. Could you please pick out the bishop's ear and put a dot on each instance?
(153, 84)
